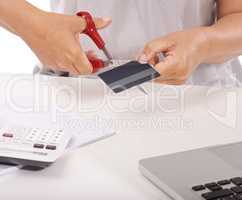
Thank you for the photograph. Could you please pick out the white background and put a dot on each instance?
(15, 56)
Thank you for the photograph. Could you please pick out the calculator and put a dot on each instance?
(32, 147)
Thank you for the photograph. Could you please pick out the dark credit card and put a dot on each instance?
(128, 75)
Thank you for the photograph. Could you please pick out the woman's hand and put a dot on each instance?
(55, 41)
(54, 38)
(183, 52)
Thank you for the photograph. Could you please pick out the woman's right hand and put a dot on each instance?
(54, 38)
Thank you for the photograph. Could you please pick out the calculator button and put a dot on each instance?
(57, 137)
(42, 139)
(17, 142)
(8, 135)
(51, 147)
(44, 136)
(32, 135)
(39, 146)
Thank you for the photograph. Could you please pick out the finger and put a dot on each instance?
(91, 55)
(79, 24)
(64, 68)
(82, 63)
(155, 47)
(69, 67)
(167, 68)
(102, 22)
(75, 70)
(154, 60)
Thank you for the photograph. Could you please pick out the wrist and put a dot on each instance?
(204, 42)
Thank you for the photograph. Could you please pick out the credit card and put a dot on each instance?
(128, 75)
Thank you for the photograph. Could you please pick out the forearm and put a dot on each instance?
(18, 16)
(225, 39)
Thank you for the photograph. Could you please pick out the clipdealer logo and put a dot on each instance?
(230, 106)
(46, 97)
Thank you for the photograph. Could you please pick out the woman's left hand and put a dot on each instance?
(183, 52)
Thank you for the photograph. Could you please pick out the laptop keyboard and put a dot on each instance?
(229, 189)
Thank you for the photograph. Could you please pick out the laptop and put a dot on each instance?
(213, 173)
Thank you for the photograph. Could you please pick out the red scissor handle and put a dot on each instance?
(97, 64)
(91, 30)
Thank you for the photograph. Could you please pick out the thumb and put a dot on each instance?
(155, 47)
(101, 22)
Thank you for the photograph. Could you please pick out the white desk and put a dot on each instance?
(109, 169)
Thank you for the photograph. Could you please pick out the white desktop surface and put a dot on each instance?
(109, 169)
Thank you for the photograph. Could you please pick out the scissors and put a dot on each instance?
(97, 63)
(92, 32)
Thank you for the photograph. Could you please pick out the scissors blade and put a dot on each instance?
(142, 90)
